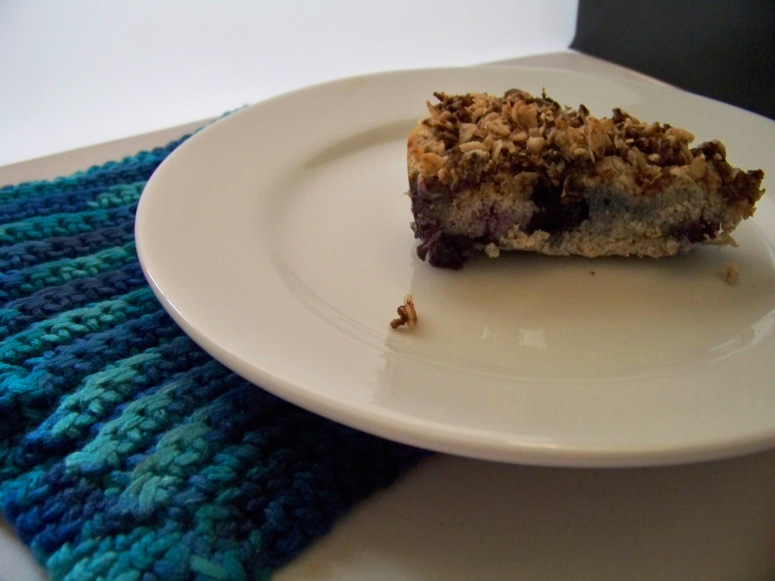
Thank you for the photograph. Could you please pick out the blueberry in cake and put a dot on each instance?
(519, 172)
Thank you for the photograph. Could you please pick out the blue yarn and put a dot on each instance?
(127, 452)
(27, 254)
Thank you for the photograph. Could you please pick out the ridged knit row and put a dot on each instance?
(126, 452)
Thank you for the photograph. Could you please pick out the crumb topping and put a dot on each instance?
(474, 134)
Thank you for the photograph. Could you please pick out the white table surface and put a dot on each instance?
(85, 82)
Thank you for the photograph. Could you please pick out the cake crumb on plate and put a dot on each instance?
(407, 314)
(731, 272)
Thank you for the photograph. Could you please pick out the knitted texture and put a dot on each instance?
(126, 452)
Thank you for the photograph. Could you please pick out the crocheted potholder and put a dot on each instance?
(126, 452)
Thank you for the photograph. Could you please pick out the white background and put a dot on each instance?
(84, 72)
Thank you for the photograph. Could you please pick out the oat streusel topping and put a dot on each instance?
(476, 133)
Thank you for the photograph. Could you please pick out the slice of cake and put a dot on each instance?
(523, 173)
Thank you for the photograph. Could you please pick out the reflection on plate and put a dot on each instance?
(279, 239)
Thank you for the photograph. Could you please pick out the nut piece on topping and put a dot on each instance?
(407, 314)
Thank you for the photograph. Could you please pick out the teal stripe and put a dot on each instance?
(57, 272)
(62, 224)
(100, 392)
(120, 195)
(132, 430)
(126, 557)
(136, 427)
(69, 326)
(39, 188)
(7, 315)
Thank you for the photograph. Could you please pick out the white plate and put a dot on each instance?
(279, 239)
